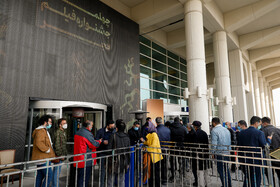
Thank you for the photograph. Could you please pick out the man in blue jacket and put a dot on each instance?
(221, 142)
(254, 138)
(163, 135)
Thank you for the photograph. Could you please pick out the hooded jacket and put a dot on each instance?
(275, 141)
(42, 144)
(178, 133)
(120, 140)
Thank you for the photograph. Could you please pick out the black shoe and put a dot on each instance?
(171, 179)
(195, 184)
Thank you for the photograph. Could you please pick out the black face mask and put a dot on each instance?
(111, 129)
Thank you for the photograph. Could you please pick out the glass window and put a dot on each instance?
(174, 90)
(145, 83)
(157, 95)
(145, 40)
(174, 99)
(159, 66)
(160, 57)
(160, 86)
(159, 76)
(183, 103)
(184, 76)
(145, 72)
(158, 48)
(145, 94)
(145, 61)
(172, 55)
(183, 61)
(184, 84)
(173, 63)
(173, 81)
(183, 68)
(173, 72)
(145, 50)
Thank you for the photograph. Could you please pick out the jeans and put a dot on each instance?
(81, 176)
(253, 176)
(56, 173)
(41, 175)
(118, 180)
(223, 169)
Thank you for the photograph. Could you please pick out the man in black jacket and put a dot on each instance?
(274, 134)
(178, 135)
(122, 158)
(202, 140)
(135, 134)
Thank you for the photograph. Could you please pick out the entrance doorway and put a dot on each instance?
(75, 114)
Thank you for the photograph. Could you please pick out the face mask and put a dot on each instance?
(136, 128)
(64, 126)
(259, 127)
(226, 126)
(111, 129)
(49, 126)
(239, 128)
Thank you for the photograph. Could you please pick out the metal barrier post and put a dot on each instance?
(270, 173)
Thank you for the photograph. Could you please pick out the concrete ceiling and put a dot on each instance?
(228, 5)
(131, 3)
(252, 25)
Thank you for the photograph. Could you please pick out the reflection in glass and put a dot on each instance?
(158, 48)
(145, 72)
(159, 86)
(183, 68)
(184, 76)
(157, 95)
(174, 99)
(174, 90)
(145, 61)
(159, 76)
(184, 84)
(173, 81)
(145, 83)
(173, 63)
(145, 50)
(173, 72)
(160, 57)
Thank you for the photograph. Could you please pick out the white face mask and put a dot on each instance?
(64, 126)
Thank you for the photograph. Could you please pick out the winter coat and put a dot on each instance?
(42, 144)
(84, 142)
(153, 147)
(275, 141)
(202, 138)
(178, 133)
(105, 135)
(120, 140)
(60, 143)
(163, 133)
(134, 136)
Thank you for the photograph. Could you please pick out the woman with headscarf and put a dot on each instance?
(152, 157)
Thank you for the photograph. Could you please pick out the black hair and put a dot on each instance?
(136, 123)
(266, 120)
(86, 124)
(167, 124)
(216, 120)
(255, 119)
(60, 120)
(242, 122)
(197, 124)
(177, 119)
(43, 119)
(120, 125)
(109, 122)
(158, 120)
(148, 118)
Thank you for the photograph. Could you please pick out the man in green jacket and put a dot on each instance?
(60, 148)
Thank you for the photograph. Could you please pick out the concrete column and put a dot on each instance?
(223, 89)
(198, 105)
(263, 106)
(257, 93)
(251, 105)
(266, 100)
(272, 107)
(237, 85)
(270, 103)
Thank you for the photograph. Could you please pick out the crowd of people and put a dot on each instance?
(156, 135)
